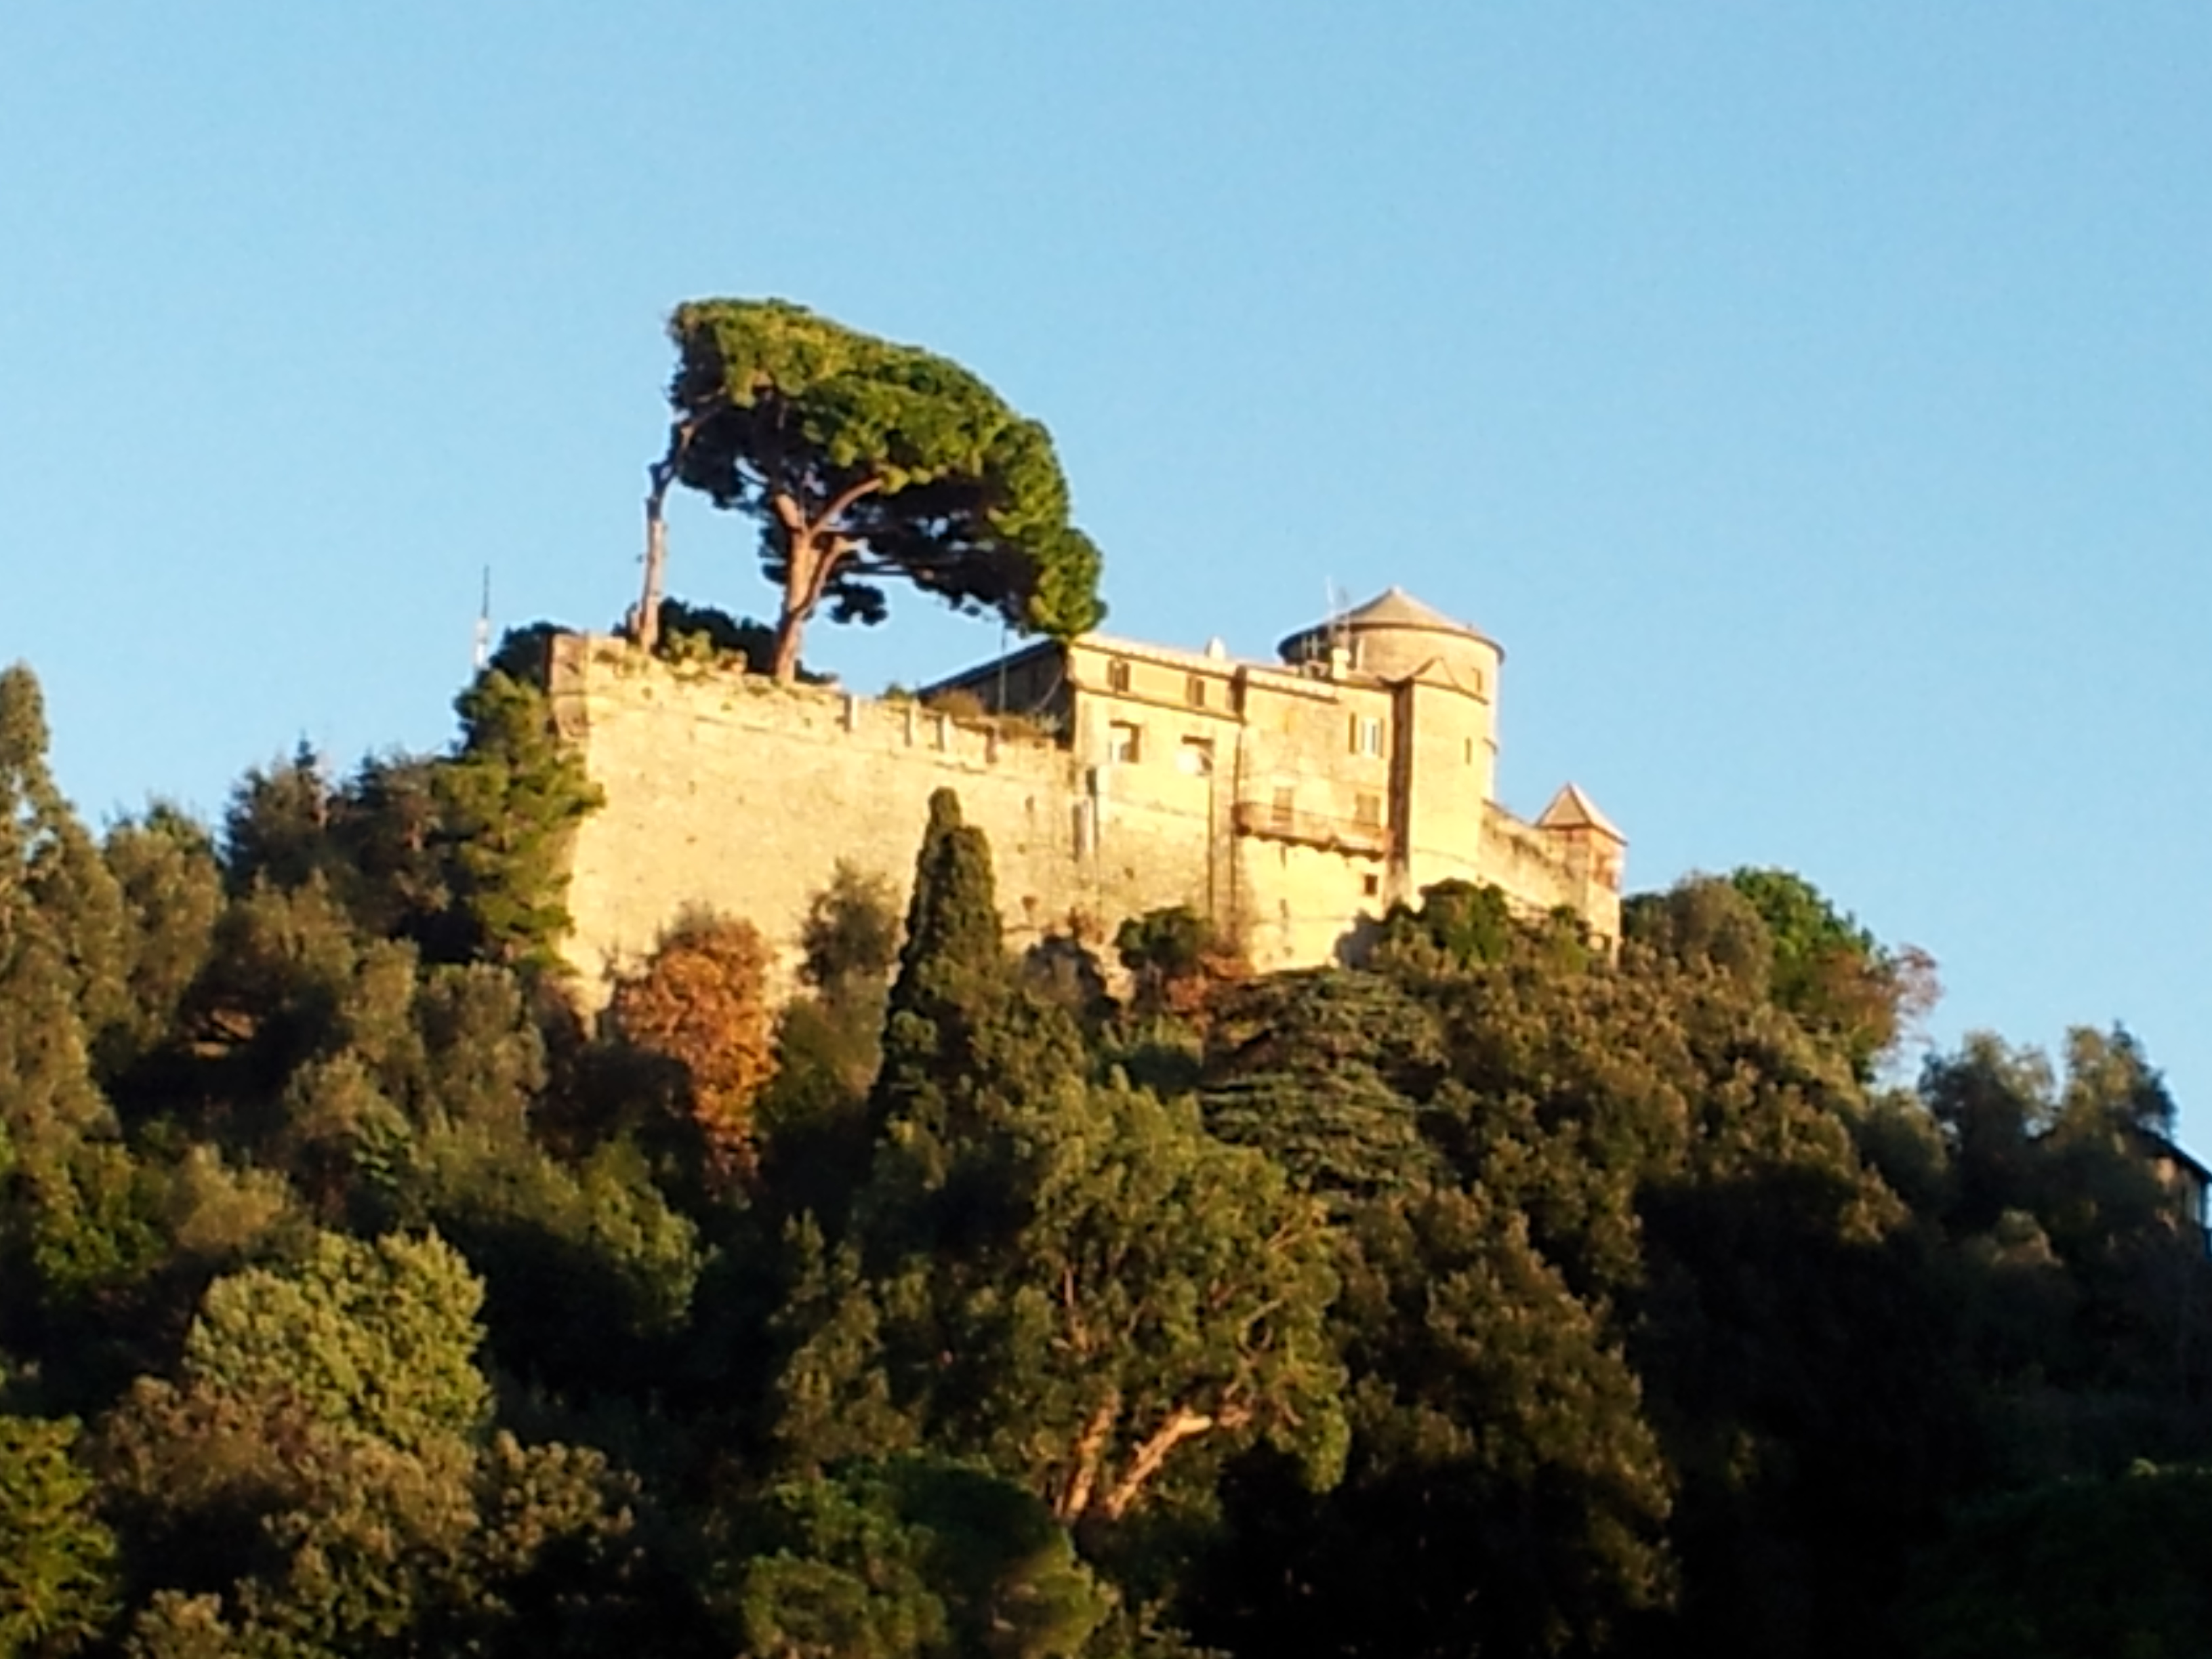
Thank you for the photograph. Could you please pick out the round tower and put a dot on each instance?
(1441, 677)
(1394, 637)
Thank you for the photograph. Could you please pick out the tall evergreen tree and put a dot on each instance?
(277, 827)
(953, 1004)
(47, 855)
(67, 1226)
(509, 801)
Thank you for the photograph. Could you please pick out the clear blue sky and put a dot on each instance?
(1816, 400)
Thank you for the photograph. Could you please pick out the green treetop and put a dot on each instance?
(952, 984)
(377, 1338)
(862, 460)
(1831, 974)
(57, 1559)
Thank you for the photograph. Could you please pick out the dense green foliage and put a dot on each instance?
(1499, 1297)
(57, 1560)
(861, 460)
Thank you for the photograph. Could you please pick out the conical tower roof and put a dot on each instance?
(1570, 809)
(1393, 608)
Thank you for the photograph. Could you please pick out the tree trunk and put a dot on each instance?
(801, 555)
(813, 549)
(812, 555)
(645, 622)
(785, 665)
(798, 605)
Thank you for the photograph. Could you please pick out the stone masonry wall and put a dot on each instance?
(1527, 863)
(727, 791)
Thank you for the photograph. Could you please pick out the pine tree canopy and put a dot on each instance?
(862, 460)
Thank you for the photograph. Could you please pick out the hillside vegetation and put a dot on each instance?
(1499, 1297)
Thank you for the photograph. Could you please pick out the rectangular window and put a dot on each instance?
(1282, 808)
(1367, 809)
(1124, 741)
(1117, 675)
(1194, 691)
(1195, 757)
(1366, 734)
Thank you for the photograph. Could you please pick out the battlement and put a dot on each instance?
(594, 674)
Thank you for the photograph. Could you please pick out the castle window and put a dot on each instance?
(1195, 757)
(1367, 809)
(1371, 886)
(1124, 741)
(1282, 809)
(1194, 691)
(1366, 734)
(1117, 675)
(1470, 751)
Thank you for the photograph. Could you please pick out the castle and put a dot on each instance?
(1291, 802)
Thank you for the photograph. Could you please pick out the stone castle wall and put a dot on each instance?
(727, 791)
(1525, 861)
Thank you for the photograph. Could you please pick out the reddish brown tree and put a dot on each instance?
(702, 1002)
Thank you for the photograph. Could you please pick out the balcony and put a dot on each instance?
(1273, 823)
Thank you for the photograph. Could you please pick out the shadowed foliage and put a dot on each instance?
(1497, 1296)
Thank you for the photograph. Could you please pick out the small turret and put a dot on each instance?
(1591, 848)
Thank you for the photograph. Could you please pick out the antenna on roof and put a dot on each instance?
(1340, 604)
(484, 624)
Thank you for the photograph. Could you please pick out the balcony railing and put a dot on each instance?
(1260, 818)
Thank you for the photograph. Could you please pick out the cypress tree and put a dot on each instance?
(952, 974)
(968, 1054)
(952, 934)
